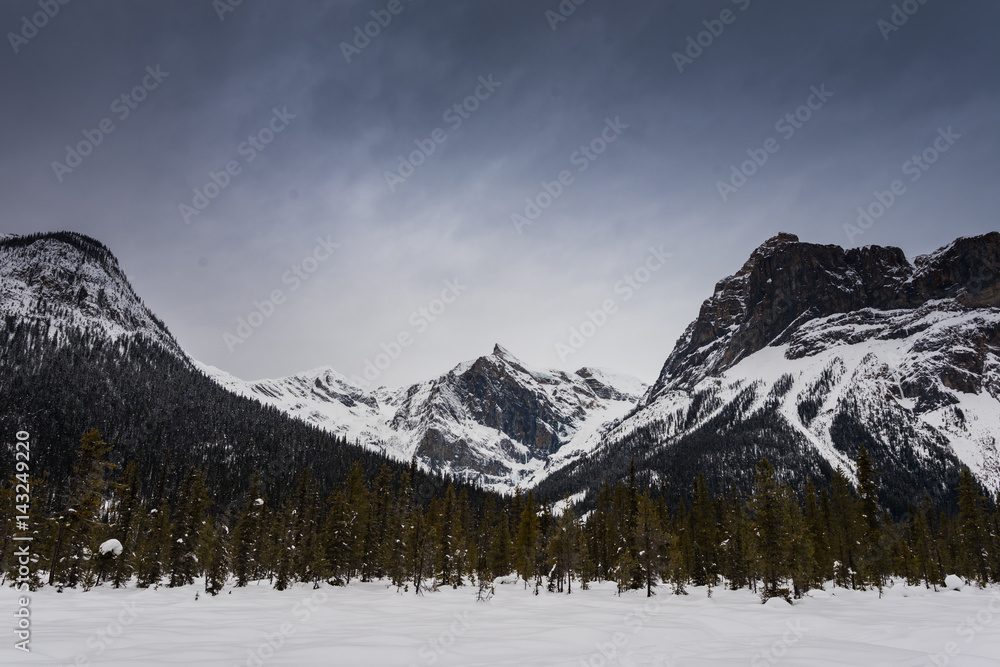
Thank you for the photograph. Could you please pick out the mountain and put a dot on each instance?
(72, 283)
(79, 350)
(810, 351)
(802, 356)
(82, 350)
(493, 419)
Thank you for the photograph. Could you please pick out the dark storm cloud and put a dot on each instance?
(323, 177)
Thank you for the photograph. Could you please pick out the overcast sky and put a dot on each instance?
(676, 134)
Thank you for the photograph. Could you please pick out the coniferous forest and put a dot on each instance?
(420, 533)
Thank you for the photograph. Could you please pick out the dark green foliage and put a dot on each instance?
(773, 541)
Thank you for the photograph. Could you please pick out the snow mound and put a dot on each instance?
(954, 582)
(111, 547)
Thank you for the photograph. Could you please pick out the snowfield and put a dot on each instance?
(369, 625)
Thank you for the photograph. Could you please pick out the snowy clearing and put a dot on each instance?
(372, 626)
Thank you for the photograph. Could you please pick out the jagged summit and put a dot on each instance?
(500, 351)
(776, 241)
(492, 418)
(803, 354)
(810, 351)
(786, 282)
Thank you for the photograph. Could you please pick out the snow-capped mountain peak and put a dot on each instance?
(809, 352)
(492, 418)
(71, 282)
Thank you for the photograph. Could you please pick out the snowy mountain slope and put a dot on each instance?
(802, 356)
(321, 397)
(71, 282)
(807, 353)
(492, 419)
(785, 283)
(79, 350)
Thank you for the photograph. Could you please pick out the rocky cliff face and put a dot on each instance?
(492, 419)
(810, 351)
(803, 355)
(786, 282)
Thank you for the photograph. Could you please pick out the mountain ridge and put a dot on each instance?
(492, 418)
(804, 354)
(809, 351)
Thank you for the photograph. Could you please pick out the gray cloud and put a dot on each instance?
(323, 176)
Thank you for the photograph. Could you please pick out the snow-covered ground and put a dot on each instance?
(369, 625)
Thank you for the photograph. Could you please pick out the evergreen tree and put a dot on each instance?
(501, 547)
(381, 502)
(75, 540)
(189, 519)
(247, 549)
(446, 570)
(337, 541)
(422, 544)
(650, 541)
(801, 560)
(815, 527)
(973, 529)
(564, 548)
(770, 510)
(873, 549)
(926, 561)
(127, 507)
(844, 531)
(357, 513)
(214, 557)
(395, 549)
(526, 544)
(38, 528)
(704, 536)
(153, 543)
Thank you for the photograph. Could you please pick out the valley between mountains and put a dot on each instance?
(803, 355)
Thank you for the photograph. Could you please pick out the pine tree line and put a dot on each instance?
(392, 527)
(157, 409)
